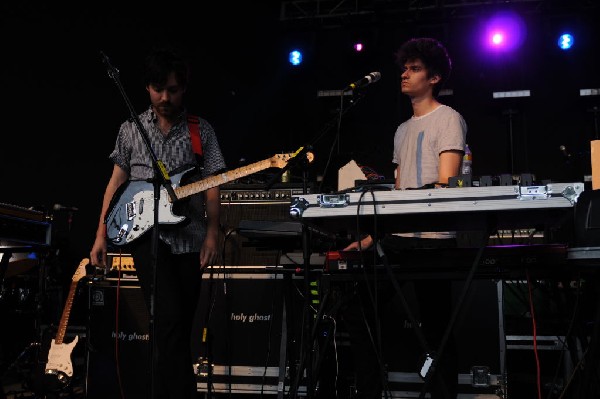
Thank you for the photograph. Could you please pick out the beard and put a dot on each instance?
(165, 109)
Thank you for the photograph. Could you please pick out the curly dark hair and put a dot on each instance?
(160, 63)
(431, 53)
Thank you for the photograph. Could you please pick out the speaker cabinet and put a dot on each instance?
(119, 345)
(243, 325)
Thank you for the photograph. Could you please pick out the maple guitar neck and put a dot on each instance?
(278, 161)
(62, 327)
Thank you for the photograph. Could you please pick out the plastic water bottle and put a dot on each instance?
(467, 162)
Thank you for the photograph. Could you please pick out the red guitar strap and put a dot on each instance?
(194, 126)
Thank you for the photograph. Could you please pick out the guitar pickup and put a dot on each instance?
(333, 200)
(130, 210)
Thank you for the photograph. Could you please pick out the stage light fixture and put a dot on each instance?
(358, 47)
(504, 31)
(333, 93)
(589, 92)
(565, 41)
(511, 94)
(295, 57)
(498, 38)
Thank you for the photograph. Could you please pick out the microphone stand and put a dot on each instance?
(301, 158)
(306, 353)
(510, 113)
(358, 94)
(160, 179)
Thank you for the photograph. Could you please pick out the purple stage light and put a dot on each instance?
(504, 31)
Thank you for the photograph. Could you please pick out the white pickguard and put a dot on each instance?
(59, 358)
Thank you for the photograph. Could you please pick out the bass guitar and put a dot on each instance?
(59, 368)
(131, 212)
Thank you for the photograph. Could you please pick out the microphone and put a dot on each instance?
(59, 207)
(563, 149)
(367, 80)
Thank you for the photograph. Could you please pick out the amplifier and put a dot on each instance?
(251, 193)
(243, 335)
(117, 345)
(21, 226)
(247, 335)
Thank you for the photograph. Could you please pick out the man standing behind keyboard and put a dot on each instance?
(428, 150)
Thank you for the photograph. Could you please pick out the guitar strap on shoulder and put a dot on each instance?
(194, 126)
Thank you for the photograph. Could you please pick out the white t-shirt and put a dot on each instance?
(419, 141)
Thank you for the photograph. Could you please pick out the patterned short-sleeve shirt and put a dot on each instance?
(175, 151)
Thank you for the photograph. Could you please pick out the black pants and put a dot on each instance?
(176, 297)
(434, 300)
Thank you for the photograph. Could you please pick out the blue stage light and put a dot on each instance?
(295, 57)
(565, 41)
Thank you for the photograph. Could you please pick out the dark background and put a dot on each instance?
(61, 111)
